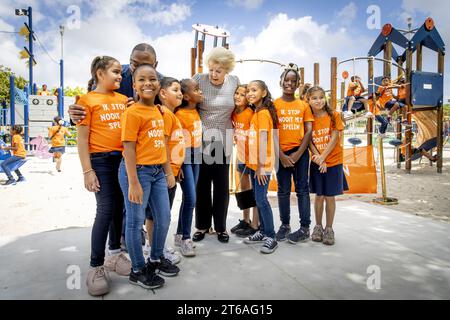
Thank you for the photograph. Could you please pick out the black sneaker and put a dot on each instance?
(247, 232)
(301, 235)
(283, 232)
(10, 182)
(269, 246)
(258, 237)
(21, 179)
(241, 225)
(164, 267)
(146, 278)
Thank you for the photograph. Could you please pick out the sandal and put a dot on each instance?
(223, 237)
(199, 236)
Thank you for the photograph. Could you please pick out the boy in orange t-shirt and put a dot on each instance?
(18, 154)
(354, 94)
(327, 178)
(388, 101)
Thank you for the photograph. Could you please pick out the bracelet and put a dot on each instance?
(87, 171)
(169, 174)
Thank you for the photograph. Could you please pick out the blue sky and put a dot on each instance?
(303, 32)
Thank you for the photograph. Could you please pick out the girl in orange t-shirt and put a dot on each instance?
(170, 97)
(192, 127)
(241, 117)
(99, 149)
(144, 176)
(327, 178)
(19, 154)
(295, 127)
(57, 134)
(261, 160)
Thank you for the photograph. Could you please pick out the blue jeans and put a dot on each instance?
(383, 123)
(188, 185)
(109, 212)
(10, 162)
(154, 186)
(300, 174)
(264, 209)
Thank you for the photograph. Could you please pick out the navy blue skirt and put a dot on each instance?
(329, 184)
(57, 150)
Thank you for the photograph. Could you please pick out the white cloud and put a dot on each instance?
(347, 14)
(170, 15)
(304, 42)
(247, 4)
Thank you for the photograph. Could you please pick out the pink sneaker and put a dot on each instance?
(97, 281)
(118, 263)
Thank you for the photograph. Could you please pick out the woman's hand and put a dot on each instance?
(91, 182)
(261, 176)
(135, 193)
(171, 180)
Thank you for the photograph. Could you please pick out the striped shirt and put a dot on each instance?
(218, 105)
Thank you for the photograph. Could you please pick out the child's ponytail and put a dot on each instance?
(99, 63)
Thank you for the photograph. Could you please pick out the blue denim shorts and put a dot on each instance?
(390, 104)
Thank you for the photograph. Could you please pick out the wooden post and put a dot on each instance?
(193, 58)
(387, 56)
(200, 49)
(369, 127)
(316, 74)
(440, 117)
(333, 83)
(342, 94)
(302, 76)
(408, 133)
(399, 125)
(419, 57)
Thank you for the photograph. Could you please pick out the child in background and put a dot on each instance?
(402, 92)
(57, 134)
(144, 176)
(241, 117)
(387, 99)
(354, 92)
(192, 127)
(261, 160)
(170, 97)
(99, 149)
(376, 109)
(327, 178)
(18, 154)
(295, 126)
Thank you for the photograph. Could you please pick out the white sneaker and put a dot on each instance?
(369, 115)
(382, 135)
(173, 257)
(177, 240)
(187, 248)
(349, 113)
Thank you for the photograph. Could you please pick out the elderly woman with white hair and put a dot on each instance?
(218, 88)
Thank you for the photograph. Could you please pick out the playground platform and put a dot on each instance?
(410, 254)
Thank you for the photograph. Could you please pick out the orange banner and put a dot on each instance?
(360, 170)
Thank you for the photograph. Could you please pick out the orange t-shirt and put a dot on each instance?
(354, 89)
(103, 112)
(145, 126)
(174, 131)
(291, 122)
(386, 95)
(402, 92)
(192, 127)
(17, 141)
(321, 135)
(58, 136)
(241, 124)
(261, 121)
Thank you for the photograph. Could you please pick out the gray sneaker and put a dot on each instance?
(317, 234)
(269, 246)
(328, 236)
(187, 248)
(301, 235)
(283, 232)
(258, 237)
